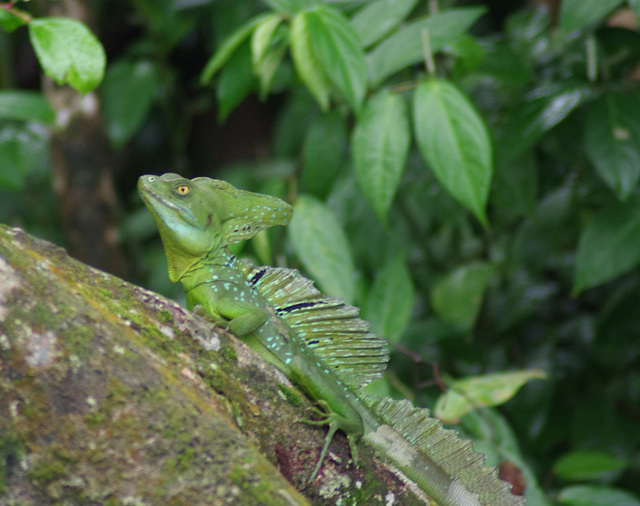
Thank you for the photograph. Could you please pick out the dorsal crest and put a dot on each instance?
(326, 325)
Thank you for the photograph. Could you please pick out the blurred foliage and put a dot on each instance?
(468, 176)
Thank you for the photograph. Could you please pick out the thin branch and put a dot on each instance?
(429, 63)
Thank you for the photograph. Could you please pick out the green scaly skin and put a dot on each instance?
(283, 318)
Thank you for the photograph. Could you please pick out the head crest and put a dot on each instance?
(243, 214)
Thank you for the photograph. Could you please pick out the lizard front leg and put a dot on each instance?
(240, 317)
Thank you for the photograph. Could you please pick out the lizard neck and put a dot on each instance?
(217, 260)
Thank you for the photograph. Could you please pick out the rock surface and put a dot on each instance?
(111, 394)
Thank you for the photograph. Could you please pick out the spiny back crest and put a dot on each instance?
(327, 325)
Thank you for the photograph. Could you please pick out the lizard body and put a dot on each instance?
(318, 342)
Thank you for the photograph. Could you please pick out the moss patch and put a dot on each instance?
(11, 452)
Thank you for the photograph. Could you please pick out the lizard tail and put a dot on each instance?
(437, 459)
(441, 463)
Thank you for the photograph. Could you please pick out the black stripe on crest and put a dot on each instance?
(257, 276)
(294, 307)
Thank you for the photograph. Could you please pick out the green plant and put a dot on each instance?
(474, 182)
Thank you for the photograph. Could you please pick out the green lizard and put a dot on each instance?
(318, 342)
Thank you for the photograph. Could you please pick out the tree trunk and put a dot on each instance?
(83, 166)
(111, 394)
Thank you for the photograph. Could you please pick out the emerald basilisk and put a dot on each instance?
(318, 342)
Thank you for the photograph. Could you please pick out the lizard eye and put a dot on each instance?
(183, 189)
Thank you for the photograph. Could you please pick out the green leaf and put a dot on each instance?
(468, 55)
(10, 20)
(290, 6)
(457, 298)
(128, 92)
(618, 50)
(340, 53)
(529, 36)
(263, 35)
(502, 65)
(236, 81)
(580, 14)
(474, 392)
(390, 302)
(515, 183)
(609, 246)
(548, 107)
(268, 45)
(292, 124)
(376, 19)
(455, 143)
(596, 495)
(489, 426)
(22, 149)
(322, 246)
(25, 105)
(228, 47)
(587, 465)
(262, 247)
(267, 70)
(323, 153)
(405, 47)
(11, 156)
(380, 144)
(612, 137)
(307, 65)
(635, 5)
(68, 52)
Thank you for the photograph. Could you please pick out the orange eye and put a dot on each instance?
(183, 189)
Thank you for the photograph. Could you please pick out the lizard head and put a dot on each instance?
(195, 216)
